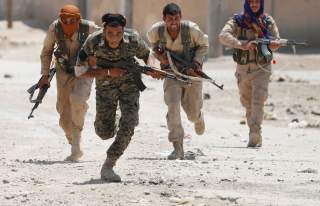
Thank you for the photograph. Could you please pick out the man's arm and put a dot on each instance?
(143, 50)
(202, 43)
(47, 50)
(228, 37)
(153, 38)
(86, 66)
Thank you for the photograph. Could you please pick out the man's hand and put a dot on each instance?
(163, 59)
(251, 45)
(44, 80)
(155, 74)
(274, 45)
(116, 72)
(196, 66)
(92, 61)
(161, 55)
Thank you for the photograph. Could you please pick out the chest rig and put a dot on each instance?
(62, 52)
(263, 54)
(188, 52)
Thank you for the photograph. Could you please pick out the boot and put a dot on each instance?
(255, 138)
(177, 153)
(200, 126)
(107, 172)
(76, 152)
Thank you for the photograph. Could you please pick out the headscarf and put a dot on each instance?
(68, 11)
(256, 21)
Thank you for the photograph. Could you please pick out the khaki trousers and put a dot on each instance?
(253, 85)
(72, 96)
(189, 97)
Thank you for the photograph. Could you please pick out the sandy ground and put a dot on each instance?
(285, 171)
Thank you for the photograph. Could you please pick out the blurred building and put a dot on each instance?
(297, 19)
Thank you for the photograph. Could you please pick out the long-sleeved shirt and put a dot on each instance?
(50, 41)
(198, 40)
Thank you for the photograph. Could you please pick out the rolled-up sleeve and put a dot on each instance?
(201, 42)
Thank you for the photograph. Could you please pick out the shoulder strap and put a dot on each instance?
(60, 38)
(185, 34)
(83, 31)
(186, 40)
(162, 38)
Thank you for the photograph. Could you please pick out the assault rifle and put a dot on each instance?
(42, 92)
(264, 43)
(282, 42)
(137, 69)
(173, 59)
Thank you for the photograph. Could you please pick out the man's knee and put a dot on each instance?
(194, 116)
(104, 135)
(103, 131)
(245, 101)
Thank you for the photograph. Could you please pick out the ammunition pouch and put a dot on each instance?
(63, 62)
(263, 56)
(241, 57)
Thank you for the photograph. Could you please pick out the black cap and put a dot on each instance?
(114, 20)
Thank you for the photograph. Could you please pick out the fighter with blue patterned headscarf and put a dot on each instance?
(254, 18)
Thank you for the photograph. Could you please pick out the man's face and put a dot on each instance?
(172, 21)
(255, 5)
(113, 36)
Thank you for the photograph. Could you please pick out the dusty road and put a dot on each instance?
(285, 171)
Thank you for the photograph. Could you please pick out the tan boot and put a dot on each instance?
(177, 152)
(107, 172)
(255, 138)
(200, 126)
(76, 152)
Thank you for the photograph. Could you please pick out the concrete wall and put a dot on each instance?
(297, 19)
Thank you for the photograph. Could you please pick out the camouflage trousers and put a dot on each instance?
(72, 96)
(253, 85)
(177, 94)
(108, 96)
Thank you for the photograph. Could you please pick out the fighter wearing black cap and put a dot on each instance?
(113, 85)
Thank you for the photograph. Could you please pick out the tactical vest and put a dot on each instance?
(61, 53)
(188, 52)
(263, 55)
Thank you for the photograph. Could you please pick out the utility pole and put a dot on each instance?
(83, 8)
(9, 8)
(273, 7)
(214, 26)
(126, 8)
